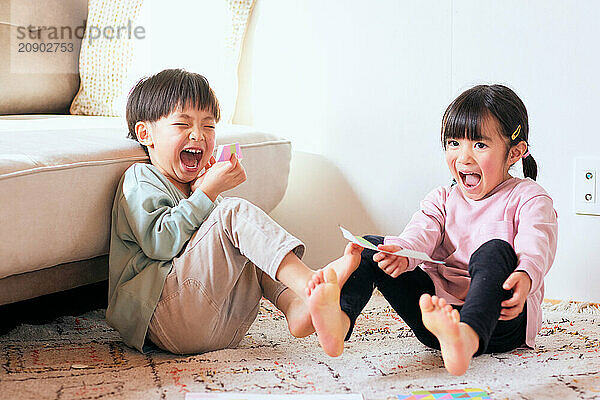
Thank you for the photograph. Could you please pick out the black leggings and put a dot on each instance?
(489, 267)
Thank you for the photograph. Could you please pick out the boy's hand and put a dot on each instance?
(520, 283)
(390, 264)
(221, 177)
(196, 182)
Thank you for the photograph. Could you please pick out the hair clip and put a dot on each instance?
(516, 133)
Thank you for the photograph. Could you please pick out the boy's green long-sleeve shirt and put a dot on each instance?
(152, 221)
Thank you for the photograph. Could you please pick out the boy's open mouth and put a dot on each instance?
(190, 158)
(470, 180)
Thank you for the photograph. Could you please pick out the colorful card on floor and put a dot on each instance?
(419, 255)
(224, 152)
(471, 393)
(244, 396)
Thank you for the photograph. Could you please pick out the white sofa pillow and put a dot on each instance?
(199, 36)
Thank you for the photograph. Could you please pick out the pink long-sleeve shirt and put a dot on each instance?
(450, 227)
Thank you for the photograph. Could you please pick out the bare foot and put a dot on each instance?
(328, 319)
(458, 341)
(296, 313)
(346, 264)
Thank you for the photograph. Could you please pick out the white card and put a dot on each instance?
(419, 255)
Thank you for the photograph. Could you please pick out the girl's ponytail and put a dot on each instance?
(529, 167)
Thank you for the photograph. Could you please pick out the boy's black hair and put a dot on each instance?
(465, 116)
(159, 95)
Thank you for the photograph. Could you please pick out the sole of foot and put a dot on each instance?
(347, 264)
(327, 316)
(457, 342)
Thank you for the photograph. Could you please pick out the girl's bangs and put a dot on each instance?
(463, 120)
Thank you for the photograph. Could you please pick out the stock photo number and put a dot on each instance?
(52, 47)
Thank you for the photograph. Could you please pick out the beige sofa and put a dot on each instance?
(58, 175)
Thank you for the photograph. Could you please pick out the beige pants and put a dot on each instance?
(212, 295)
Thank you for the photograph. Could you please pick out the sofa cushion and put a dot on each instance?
(39, 81)
(58, 176)
(110, 68)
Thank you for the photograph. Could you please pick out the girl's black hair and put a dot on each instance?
(465, 116)
(159, 95)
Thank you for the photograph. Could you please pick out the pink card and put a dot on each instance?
(225, 151)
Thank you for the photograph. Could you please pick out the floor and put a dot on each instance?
(44, 355)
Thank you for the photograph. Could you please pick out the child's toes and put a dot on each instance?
(352, 248)
(425, 302)
(455, 315)
(318, 277)
(315, 280)
(330, 276)
(442, 303)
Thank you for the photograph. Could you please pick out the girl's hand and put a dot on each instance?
(222, 176)
(390, 264)
(196, 182)
(520, 283)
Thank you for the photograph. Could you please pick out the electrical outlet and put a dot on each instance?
(585, 195)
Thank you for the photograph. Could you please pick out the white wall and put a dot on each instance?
(360, 90)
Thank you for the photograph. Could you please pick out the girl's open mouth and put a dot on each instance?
(190, 158)
(470, 180)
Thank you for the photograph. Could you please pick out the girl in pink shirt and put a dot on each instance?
(496, 234)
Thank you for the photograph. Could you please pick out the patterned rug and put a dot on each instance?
(82, 358)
